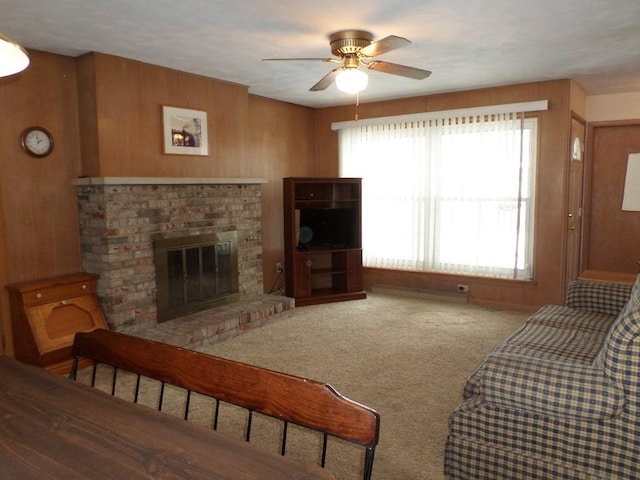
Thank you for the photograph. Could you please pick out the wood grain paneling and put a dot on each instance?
(248, 136)
(38, 206)
(612, 236)
(129, 99)
(88, 115)
(6, 344)
(107, 112)
(281, 145)
(120, 107)
(106, 115)
(39, 202)
(552, 181)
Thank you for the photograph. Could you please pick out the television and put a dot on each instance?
(327, 228)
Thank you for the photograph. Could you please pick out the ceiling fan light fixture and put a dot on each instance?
(13, 58)
(352, 80)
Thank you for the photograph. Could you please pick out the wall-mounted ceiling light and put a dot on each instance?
(13, 58)
(631, 195)
(352, 80)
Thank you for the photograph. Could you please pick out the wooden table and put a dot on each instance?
(52, 428)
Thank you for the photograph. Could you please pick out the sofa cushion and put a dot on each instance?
(561, 316)
(553, 343)
(623, 329)
(550, 387)
(603, 297)
(546, 342)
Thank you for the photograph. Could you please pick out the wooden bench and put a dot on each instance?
(290, 399)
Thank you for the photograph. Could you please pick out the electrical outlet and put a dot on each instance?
(463, 288)
(279, 268)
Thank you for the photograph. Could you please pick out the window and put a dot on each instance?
(452, 194)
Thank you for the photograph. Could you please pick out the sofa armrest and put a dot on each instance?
(602, 297)
(548, 387)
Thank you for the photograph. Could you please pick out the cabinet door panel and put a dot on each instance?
(302, 275)
(354, 271)
(55, 324)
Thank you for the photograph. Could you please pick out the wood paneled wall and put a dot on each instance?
(248, 136)
(611, 235)
(280, 145)
(552, 180)
(106, 115)
(121, 120)
(39, 215)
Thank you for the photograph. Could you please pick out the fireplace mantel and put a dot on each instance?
(81, 181)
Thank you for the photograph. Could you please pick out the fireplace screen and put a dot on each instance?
(195, 273)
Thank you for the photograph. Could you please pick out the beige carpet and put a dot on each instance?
(405, 357)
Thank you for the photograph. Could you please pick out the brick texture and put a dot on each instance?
(119, 223)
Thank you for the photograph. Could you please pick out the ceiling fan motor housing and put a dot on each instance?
(349, 42)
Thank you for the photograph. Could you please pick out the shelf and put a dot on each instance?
(326, 249)
(328, 296)
(300, 204)
(336, 189)
(327, 271)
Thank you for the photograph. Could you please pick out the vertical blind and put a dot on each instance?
(451, 193)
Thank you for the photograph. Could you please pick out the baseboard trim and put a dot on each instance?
(457, 297)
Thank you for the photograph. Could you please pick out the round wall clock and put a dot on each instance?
(37, 141)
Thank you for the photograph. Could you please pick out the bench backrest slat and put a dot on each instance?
(298, 400)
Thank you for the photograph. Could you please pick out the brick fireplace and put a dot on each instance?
(121, 218)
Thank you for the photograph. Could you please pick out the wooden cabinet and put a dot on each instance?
(323, 239)
(46, 314)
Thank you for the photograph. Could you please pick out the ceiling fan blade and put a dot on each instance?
(326, 80)
(302, 58)
(401, 70)
(384, 45)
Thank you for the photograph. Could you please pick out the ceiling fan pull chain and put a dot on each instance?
(357, 104)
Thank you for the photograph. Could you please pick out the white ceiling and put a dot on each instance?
(465, 43)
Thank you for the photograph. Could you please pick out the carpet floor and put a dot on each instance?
(405, 357)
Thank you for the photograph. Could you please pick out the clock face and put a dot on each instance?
(37, 141)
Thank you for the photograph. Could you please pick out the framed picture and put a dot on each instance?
(185, 131)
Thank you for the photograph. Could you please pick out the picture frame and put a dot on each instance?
(185, 131)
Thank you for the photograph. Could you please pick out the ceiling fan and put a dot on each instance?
(355, 49)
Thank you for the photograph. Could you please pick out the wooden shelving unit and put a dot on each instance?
(323, 239)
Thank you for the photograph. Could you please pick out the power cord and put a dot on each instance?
(278, 284)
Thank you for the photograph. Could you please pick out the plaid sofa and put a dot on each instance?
(559, 398)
